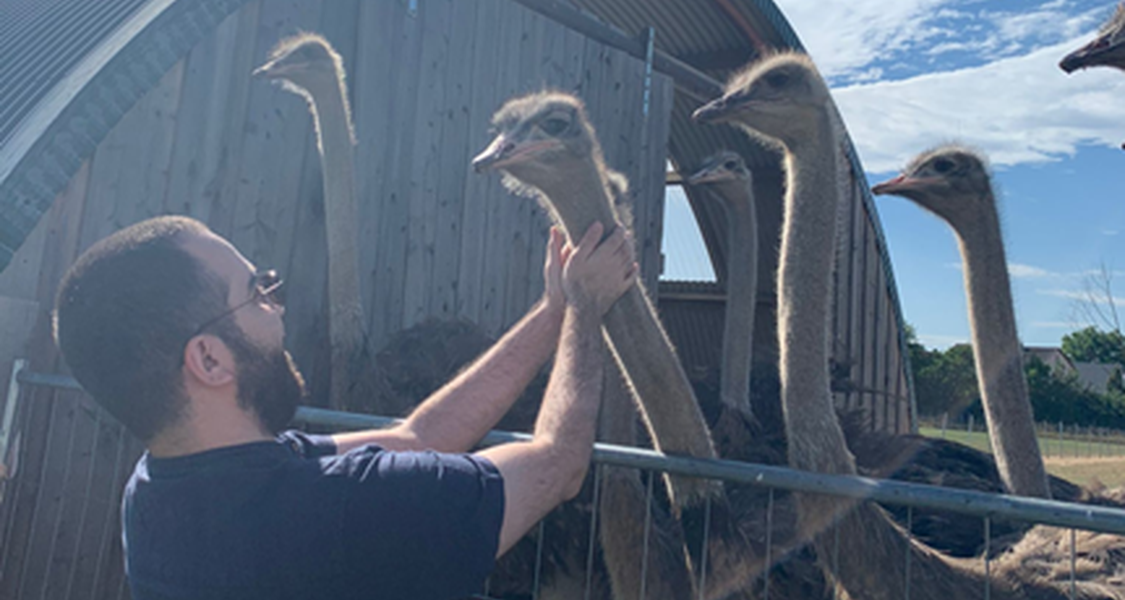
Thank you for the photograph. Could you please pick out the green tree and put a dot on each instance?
(1094, 345)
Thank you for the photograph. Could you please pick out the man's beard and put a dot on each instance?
(269, 383)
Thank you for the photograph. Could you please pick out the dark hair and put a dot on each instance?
(124, 312)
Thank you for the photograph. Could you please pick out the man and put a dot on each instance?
(179, 336)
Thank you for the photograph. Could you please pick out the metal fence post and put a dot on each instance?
(8, 423)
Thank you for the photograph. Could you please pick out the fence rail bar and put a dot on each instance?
(1047, 512)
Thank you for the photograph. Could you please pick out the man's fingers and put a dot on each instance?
(589, 241)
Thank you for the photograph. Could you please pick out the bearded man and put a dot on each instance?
(180, 337)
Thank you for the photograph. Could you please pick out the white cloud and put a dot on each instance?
(845, 37)
(1076, 295)
(1018, 110)
(1028, 272)
(1053, 325)
(941, 341)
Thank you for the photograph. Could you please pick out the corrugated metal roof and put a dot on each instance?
(70, 70)
(42, 41)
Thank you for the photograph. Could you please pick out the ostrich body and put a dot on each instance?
(784, 100)
(307, 65)
(953, 183)
(726, 173)
(1107, 49)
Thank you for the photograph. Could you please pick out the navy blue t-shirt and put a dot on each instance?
(291, 519)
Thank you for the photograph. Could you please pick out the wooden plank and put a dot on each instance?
(235, 90)
(406, 42)
(458, 150)
(64, 536)
(49, 499)
(143, 148)
(373, 84)
(857, 309)
(894, 368)
(197, 158)
(102, 488)
(111, 581)
(35, 432)
(523, 243)
(876, 355)
(501, 209)
(480, 189)
(435, 22)
(159, 133)
(649, 238)
(18, 279)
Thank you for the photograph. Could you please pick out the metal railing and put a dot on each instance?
(989, 507)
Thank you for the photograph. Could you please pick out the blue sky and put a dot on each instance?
(909, 74)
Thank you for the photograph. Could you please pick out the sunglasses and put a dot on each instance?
(265, 286)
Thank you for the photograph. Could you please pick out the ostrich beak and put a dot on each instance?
(712, 112)
(892, 186)
(1087, 56)
(704, 175)
(263, 72)
(500, 149)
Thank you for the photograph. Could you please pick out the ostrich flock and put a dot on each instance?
(706, 539)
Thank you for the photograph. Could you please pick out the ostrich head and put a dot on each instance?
(721, 167)
(541, 140)
(1107, 50)
(302, 63)
(779, 98)
(951, 181)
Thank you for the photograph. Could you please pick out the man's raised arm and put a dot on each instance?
(549, 469)
(458, 415)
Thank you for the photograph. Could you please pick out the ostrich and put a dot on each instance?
(1107, 50)
(307, 65)
(784, 101)
(953, 183)
(547, 147)
(726, 173)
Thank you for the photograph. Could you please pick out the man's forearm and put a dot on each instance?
(459, 414)
(568, 417)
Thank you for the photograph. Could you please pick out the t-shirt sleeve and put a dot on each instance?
(421, 524)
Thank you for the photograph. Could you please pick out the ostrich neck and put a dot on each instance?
(337, 160)
(999, 357)
(579, 197)
(804, 286)
(742, 297)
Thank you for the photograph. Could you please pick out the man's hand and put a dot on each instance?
(558, 252)
(596, 275)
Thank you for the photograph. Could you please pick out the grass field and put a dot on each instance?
(1077, 461)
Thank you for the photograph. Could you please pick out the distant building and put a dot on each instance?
(1092, 376)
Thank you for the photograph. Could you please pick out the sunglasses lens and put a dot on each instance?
(269, 286)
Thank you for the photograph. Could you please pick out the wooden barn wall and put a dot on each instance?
(438, 240)
(869, 374)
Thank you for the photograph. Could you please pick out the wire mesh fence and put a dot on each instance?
(1056, 440)
(567, 550)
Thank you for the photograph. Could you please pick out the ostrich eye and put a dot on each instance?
(554, 126)
(778, 80)
(943, 165)
(730, 165)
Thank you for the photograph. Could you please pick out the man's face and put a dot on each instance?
(269, 383)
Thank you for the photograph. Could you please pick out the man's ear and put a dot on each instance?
(208, 361)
